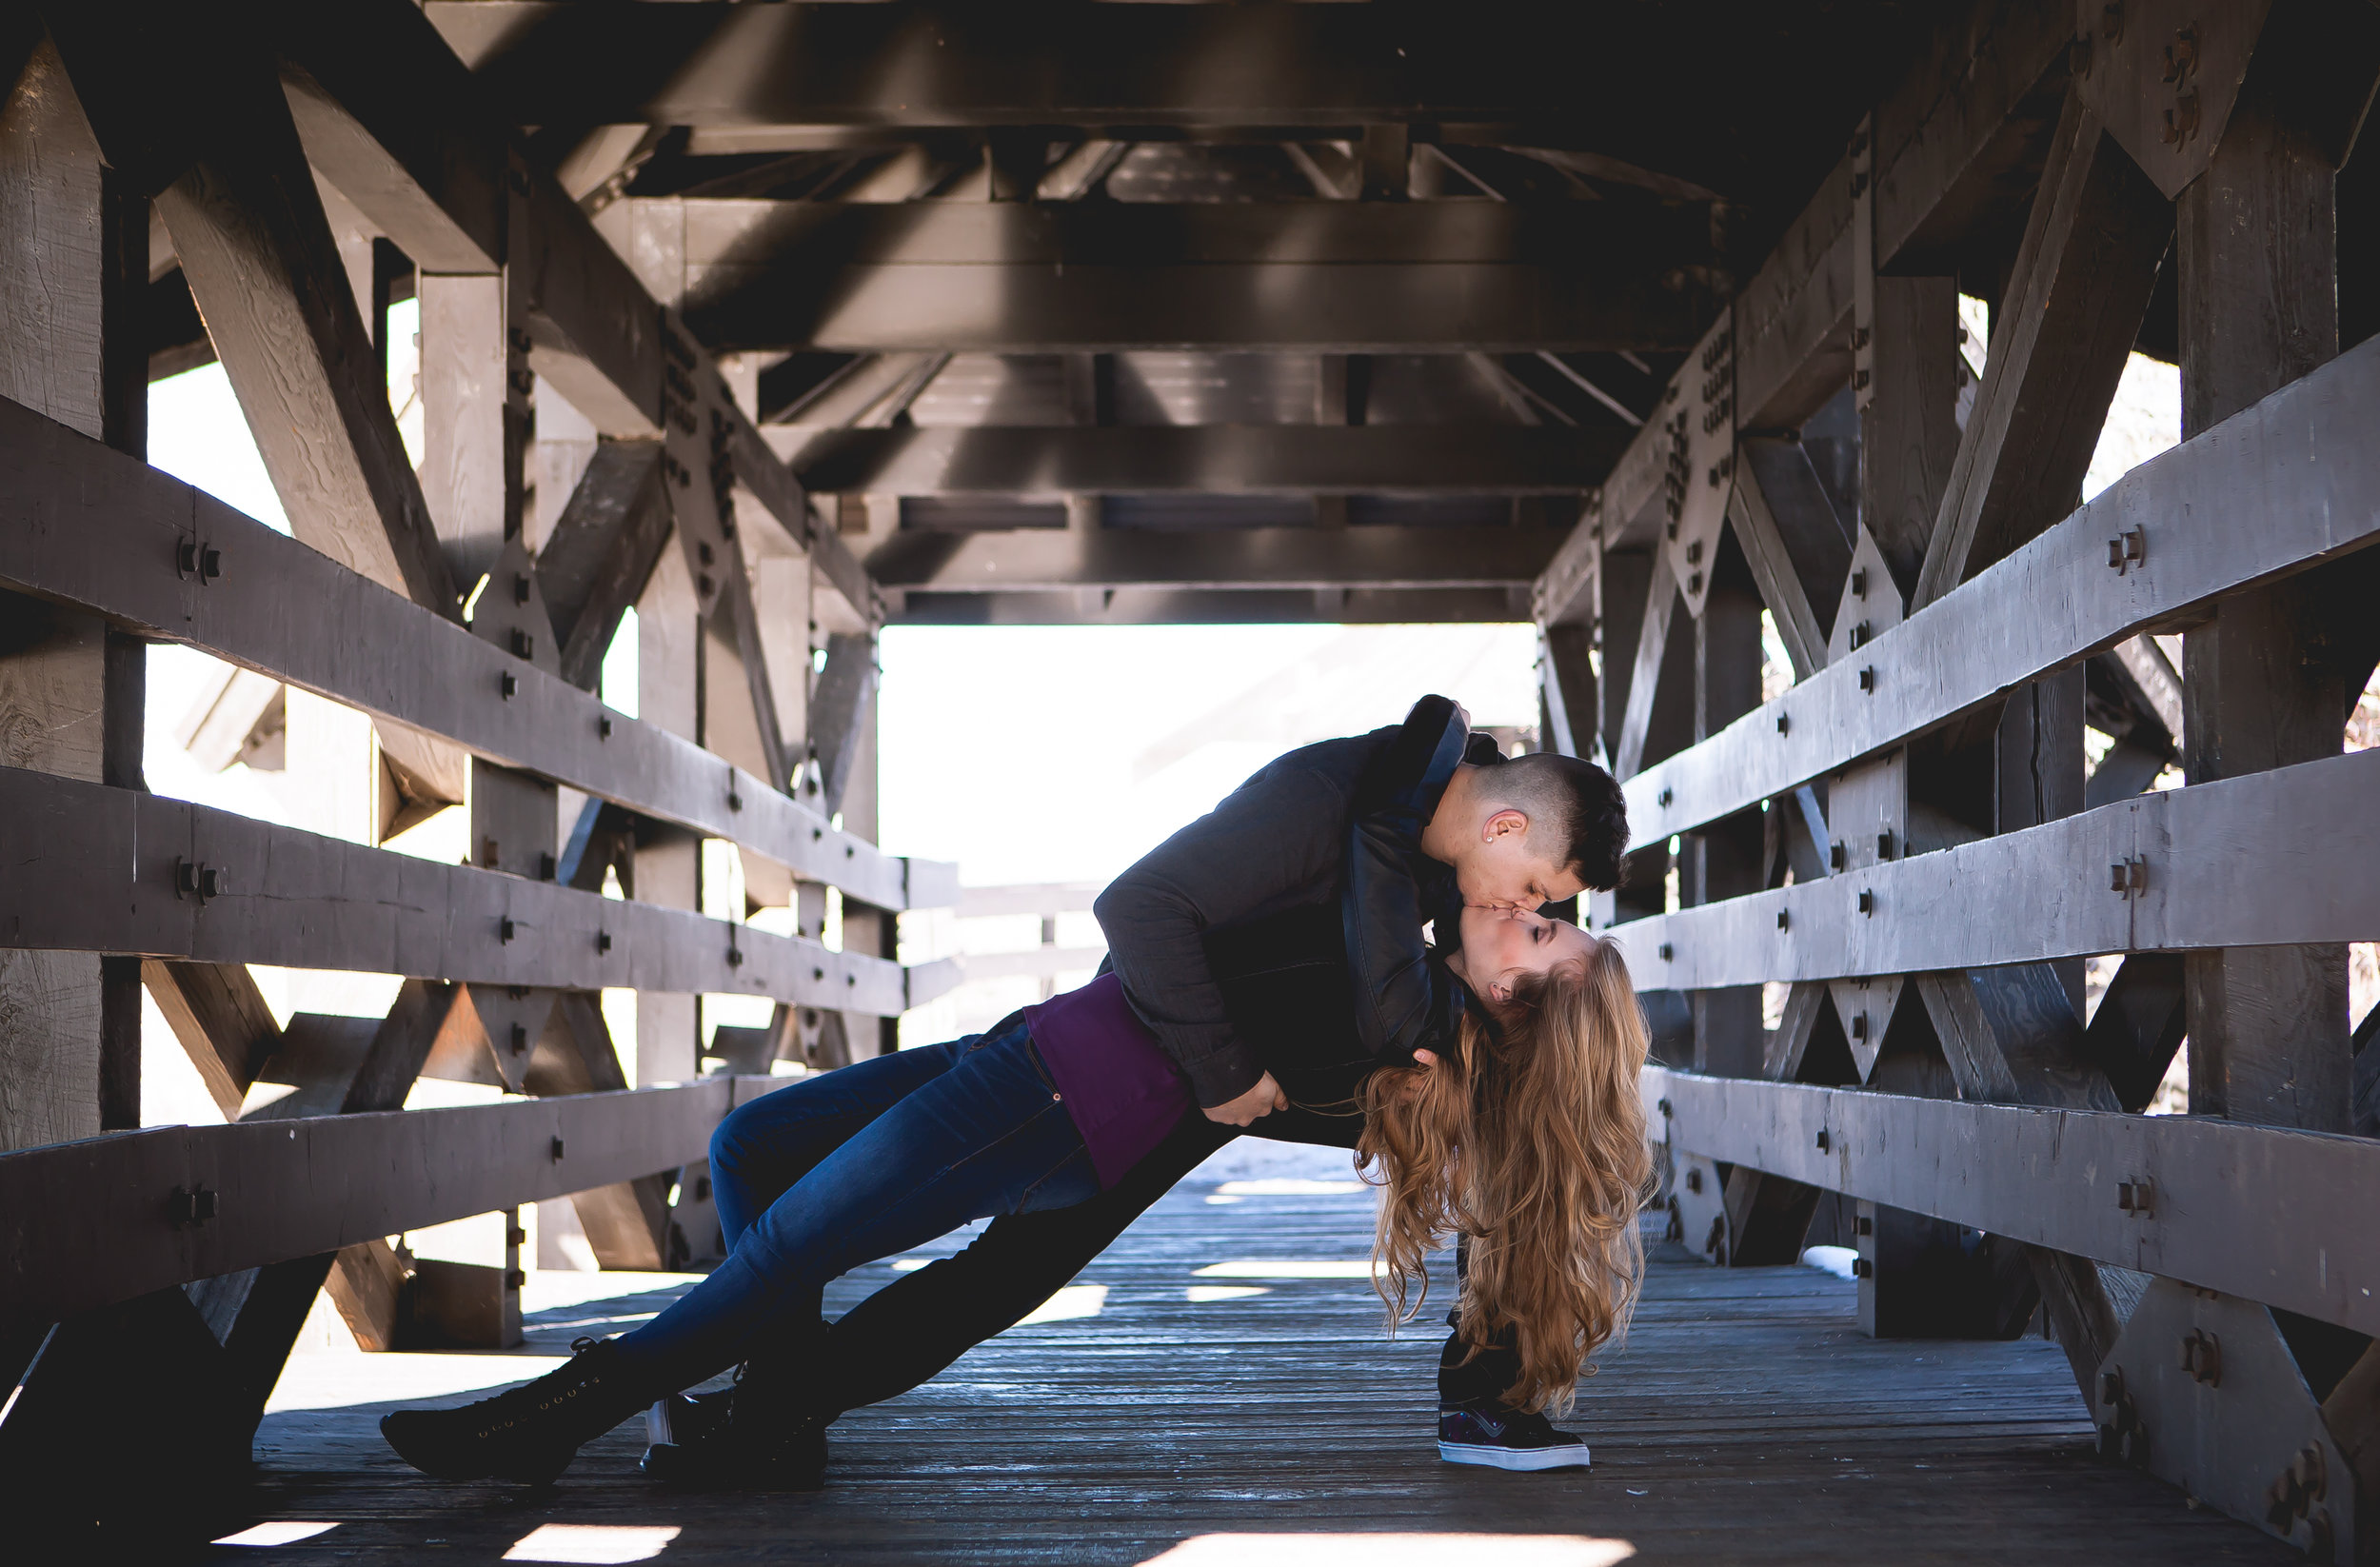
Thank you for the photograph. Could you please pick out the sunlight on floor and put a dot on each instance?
(1352, 1268)
(599, 1543)
(334, 1381)
(1395, 1551)
(277, 1532)
(1069, 1304)
(1198, 1294)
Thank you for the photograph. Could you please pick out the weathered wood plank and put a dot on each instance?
(2050, 1178)
(307, 901)
(90, 1224)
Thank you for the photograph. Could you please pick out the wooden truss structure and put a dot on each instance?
(779, 324)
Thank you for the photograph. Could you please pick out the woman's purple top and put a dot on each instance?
(1123, 1092)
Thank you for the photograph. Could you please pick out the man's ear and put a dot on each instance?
(1506, 823)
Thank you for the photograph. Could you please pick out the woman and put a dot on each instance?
(1528, 1142)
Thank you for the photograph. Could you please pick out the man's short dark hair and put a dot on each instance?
(1574, 803)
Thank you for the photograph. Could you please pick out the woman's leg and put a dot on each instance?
(764, 1147)
(990, 1136)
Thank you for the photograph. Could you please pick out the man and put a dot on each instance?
(1235, 941)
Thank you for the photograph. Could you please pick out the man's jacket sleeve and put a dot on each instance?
(1396, 993)
(1274, 833)
(1401, 1002)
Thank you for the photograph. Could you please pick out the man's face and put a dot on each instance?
(1502, 869)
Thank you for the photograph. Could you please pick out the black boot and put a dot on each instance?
(756, 1436)
(529, 1433)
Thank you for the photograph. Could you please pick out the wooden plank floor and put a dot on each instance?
(1747, 1420)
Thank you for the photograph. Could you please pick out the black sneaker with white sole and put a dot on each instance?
(1501, 1437)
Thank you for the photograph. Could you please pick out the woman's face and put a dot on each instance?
(1501, 944)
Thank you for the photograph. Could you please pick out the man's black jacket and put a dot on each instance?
(1243, 939)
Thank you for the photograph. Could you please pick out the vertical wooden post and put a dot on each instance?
(2259, 307)
(71, 691)
(874, 931)
(668, 862)
(1723, 859)
(1905, 387)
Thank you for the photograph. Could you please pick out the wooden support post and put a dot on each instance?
(1658, 699)
(71, 692)
(842, 716)
(669, 864)
(1570, 701)
(626, 1224)
(866, 929)
(1919, 1279)
(2039, 770)
(1799, 549)
(2262, 685)
(1723, 859)
(602, 553)
(2060, 336)
(1905, 384)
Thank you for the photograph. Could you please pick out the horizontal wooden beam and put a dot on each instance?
(2273, 489)
(1382, 556)
(1021, 275)
(90, 1224)
(389, 115)
(1209, 607)
(95, 869)
(726, 239)
(92, 528)
(2267, 858)
(1289, 307)
(1201, 459)
(2260, 1212)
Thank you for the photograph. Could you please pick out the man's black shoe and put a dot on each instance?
(1502, 1437)
(751, 1436)
(528, 1434)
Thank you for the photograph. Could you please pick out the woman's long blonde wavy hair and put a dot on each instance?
(1530, 1144)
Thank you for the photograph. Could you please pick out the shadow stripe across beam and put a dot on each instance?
(2048, 1177)
(94, 528)
(97, 869)
(2274, 489)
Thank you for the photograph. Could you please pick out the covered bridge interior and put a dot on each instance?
(1711, 339)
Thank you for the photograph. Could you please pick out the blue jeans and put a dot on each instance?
(856, 1164)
